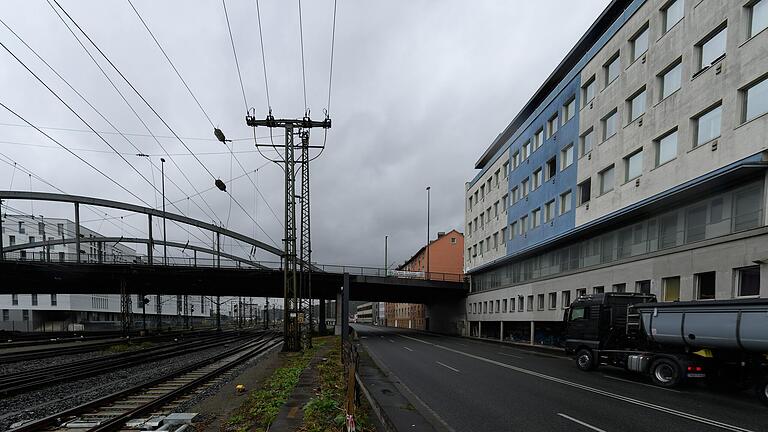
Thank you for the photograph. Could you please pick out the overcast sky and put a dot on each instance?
(420, 89)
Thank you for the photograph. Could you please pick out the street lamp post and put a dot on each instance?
(386, 261)
(165, 246)
(428, 204)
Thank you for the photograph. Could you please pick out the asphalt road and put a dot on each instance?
(473, 386)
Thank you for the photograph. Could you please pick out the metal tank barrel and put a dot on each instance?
(718, 325)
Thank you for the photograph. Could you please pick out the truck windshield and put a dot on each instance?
(577, 313)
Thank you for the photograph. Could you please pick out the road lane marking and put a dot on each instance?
(391, 341)
(642, 384)
(446, 366)
(510, 355)
(586, 425)
(408, 348)
(605, 393)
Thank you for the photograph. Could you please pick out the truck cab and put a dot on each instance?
(599, 321)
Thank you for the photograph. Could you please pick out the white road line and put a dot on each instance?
(642, 384)
(586, 425)
(446, 366)
(408, 348)
(509, 355)
(391, 340)
(616, 396)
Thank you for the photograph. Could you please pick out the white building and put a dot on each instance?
(33, 312)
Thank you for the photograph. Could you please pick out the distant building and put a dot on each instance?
(364, 313)
(445, 255)
(40, 312)
(639, 165)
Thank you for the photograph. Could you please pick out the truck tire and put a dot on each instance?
(585, 360)
(762, 390)
(666, 373)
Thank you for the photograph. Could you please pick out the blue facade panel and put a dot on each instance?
(563, 181)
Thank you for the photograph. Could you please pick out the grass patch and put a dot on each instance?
(262, 405)
(325, 412)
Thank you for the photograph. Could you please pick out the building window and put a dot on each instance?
(747, 209)
(22, 230)
(41, 229)
(552, 300)
(633, 165)
(666, 147)
(748, 281)
(636, 105)
(523, 224)
(758, 17)
(504, 203)
(25, 315)
(569, 110)
(643, 286)
(588, 91)
(488, 244)
(496, 209)
(469, 202)
(503, 235)
(598, 290)
(671, 287)
(524, 187)
(504, 306)
(566, 157)
(14, 299)
(526, 150)
(620, 288)
(640, 43)
(540, 302)
(482, 191)
(31, 239)
(756, 99)
(498, 308)
(6, 315)
(552, 126)
(612, 69)
(606, 180)
(54, 300)
(587, 141)
(551, 169)
(585, 191)
(565, 299)
(671, 79)
(538, 139)
(610, 124)
(537, 179)
(549, 211)
(512, 304)
(512, 230)
(535, 218)
(530, 303)
(515, 160)
(520, 303)
(705, 285)
(712, 48)
(34, 299)
(580, 292)
(515, 194)
(60, 229)
(11, 240)
(672, 13)
(566, 201)
(495, 240)
(708, 125)
(505, 169)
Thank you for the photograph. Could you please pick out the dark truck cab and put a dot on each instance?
(725, 342)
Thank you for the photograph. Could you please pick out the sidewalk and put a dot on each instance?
(291, 414)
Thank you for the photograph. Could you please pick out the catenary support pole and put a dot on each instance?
(77, 232)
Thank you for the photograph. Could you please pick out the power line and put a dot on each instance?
(170, 62)
(234, 52)
(330, 73)
(136, 114)
(303, 69)
(127, 153)
(132, 134)
(263, 59)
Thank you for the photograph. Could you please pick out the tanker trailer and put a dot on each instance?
(723, 341)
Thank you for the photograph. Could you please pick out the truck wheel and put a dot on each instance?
(585, 360)
(762, 390)
(666, 373)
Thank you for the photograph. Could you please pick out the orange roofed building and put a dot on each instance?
(446, 260)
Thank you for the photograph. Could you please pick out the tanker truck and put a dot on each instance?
(724, 342)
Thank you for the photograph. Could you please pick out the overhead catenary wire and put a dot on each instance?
(212, 215)
(197, 101)
(263, 58)
(303, 68)
(162, 120)
(90, 150)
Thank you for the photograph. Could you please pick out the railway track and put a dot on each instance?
(25, 381)
(135, 407)
(45, 350)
